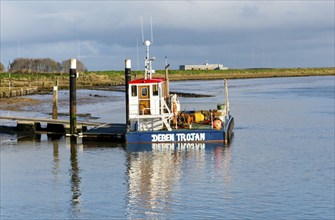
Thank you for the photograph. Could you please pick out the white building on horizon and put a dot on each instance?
(205, 66)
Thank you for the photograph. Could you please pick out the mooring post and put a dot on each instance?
(127, 79)
(55, 101)
(226, 92)
(167, 79)
(9, 82)
(73, 101)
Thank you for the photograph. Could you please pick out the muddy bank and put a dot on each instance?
(21, 103)
(191, 95)
(18, 92)
(17, 103)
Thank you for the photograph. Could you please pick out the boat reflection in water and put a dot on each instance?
(159, 174)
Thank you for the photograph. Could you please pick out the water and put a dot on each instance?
(280, 164)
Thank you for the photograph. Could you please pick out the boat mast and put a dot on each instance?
(148, 61)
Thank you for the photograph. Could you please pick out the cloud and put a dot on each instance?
(236, 33)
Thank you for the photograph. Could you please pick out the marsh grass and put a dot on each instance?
(91, 80)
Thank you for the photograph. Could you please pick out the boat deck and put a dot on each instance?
(195, 126)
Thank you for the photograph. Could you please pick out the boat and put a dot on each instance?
(154, 115)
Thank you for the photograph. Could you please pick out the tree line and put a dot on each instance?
(2, 68)
(41, 65)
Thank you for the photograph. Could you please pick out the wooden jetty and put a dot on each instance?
(48, 120)
(56, 126)
(97, 131)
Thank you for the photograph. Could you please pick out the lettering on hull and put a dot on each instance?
(178, 137)
(162, 138)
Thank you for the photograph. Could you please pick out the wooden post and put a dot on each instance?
(73, 98)
(9, 82)
(127, 79)
(55, 101)
(227, 102)
(167, 79)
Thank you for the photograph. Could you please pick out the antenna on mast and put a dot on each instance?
(142, 30)
(148, 61)
(138, 64)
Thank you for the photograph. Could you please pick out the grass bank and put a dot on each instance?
(46, 81)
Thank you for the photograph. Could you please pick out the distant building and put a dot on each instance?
(205, 66)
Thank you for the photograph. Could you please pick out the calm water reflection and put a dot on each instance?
(156, 175)
(280, 164)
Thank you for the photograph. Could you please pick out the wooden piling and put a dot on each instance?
(226, 92)
(127, 80)
(73, 99)
(9, 82)
(55, 101)
(167, 79)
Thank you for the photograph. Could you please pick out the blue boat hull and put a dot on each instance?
(181, 136)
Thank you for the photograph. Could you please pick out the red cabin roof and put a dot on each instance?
(142, 81)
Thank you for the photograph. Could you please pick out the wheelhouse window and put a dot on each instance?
(133, 90)
(155, 90)
(144, 91)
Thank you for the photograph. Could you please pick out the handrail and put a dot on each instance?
(166, 106)
(144, 110)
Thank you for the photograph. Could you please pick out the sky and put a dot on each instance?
(237, 34)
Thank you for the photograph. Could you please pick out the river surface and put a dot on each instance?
(280, 164)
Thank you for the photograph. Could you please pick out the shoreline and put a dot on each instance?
(20, 84)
